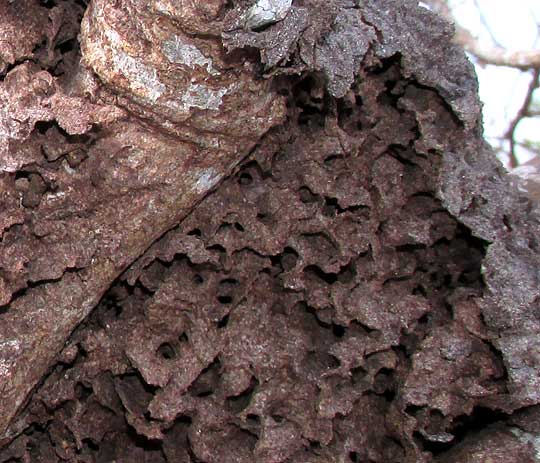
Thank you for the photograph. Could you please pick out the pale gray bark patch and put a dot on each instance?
(265, 12)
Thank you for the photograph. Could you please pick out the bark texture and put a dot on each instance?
(263, 232)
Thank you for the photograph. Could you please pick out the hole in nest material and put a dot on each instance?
(225, 299)
(166, 351)
(245, 179)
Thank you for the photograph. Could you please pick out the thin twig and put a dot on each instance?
(523, 112)
(486, 25)
(497, 56)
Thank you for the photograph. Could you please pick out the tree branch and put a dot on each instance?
(523, 112)
(494, 55)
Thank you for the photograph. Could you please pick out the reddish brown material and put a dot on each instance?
(206, 259)
(84, 224)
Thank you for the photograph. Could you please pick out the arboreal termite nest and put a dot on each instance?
(362, 287)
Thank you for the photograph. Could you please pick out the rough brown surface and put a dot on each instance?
(363, 287)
